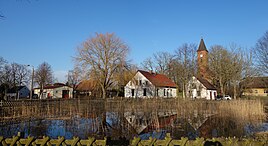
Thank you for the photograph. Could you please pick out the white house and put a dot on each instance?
(18, 92)
(148, 84)
(57, 90)
(201, 88)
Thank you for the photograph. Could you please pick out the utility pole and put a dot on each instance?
(31, 93)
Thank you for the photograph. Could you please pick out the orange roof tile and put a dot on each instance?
(159, 80)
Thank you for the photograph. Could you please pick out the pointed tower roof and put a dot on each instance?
(202, 46)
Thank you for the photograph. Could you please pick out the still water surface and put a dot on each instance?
(117, 126)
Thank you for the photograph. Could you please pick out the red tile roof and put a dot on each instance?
(159, 80)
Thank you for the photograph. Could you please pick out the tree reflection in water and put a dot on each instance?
(129, 118)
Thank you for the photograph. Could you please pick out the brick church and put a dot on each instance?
(203, 70)
(200, 86)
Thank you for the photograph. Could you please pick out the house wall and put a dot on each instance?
(195, 86)
(54, 93)
(151, 90)
(139, 88)
(256, 92)
(57, 92)
(24, 92)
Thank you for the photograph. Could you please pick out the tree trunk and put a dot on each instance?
(183, 91)
(103, 92)
(221, 87)
(235, 93)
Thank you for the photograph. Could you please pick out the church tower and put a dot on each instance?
(202, 61)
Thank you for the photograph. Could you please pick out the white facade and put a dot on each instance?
(141, 87)
(198, 90)
(55, 92)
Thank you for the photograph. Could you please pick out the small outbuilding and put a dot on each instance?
(57, 90)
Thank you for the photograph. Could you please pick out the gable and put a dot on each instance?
(138, 76)
(158, 80)
(204, 83)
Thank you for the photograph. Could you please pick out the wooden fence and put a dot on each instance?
(136, 141)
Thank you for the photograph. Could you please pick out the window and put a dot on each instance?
(146, 83)
(144, 92)
(157, 92)
(198, 93)
(266, 91)
(130, 83)
(132, 92)
(171, 92)
(164, 92)
(167, 93)
(140, 82)
(256, 91)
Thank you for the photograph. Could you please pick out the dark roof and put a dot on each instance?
(256, 82)
(206, 84)
(159, 80)
(202, 46)
(53, 86)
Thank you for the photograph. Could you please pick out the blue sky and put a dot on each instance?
(34, 31)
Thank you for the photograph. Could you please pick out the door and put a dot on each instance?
(65, 93)
(132, 92)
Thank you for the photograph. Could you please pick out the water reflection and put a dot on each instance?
(121, 125)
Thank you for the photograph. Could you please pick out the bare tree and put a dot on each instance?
(102, 55)
(230, 67)
(20, 74)
(3, 62)
(149, 64)
(73, 78)
(221, 66)
(43, 75)
(122, 76)
(261, 53)
(186, 64)
(238, 64)
(160, 62)
(6, 80)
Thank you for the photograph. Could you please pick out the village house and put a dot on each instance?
(148, 84)
(201, 86)
(18, 92)
(255, 86)
(86, 89)
(57, 90)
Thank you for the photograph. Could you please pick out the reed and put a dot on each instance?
(195, 112)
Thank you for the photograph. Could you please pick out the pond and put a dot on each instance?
(85, 127)
(129, 118)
